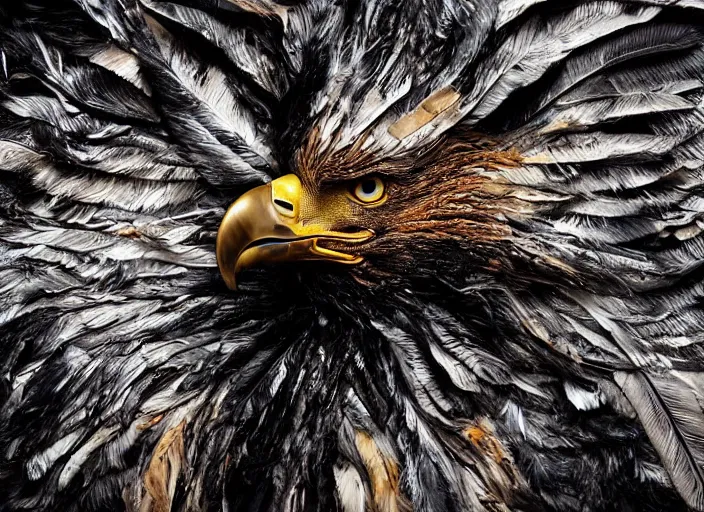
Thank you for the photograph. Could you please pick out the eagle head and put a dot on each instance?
(436, 211)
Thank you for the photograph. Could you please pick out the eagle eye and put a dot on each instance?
(369, 190)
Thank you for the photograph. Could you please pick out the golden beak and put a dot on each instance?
(266, 225)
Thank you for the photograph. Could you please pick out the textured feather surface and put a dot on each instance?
(561, 372)
(671, 416)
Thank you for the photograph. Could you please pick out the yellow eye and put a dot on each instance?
(369, 190)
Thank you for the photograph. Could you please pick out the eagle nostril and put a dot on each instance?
(284, 204)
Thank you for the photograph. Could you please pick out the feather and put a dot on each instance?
(528, 54)
(649, 40)
(79, 457)
(40, 463)
(582, 399)
(252, 55)
(602, 111)
(511, 9)
(600, 146)
(672, 417)
(212, 90)
(460, 376)
(123, 64)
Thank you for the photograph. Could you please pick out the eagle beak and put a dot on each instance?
(266, 225)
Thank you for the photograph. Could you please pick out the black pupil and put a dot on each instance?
(368, 186)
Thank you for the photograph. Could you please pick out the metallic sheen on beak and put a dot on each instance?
(266, 225)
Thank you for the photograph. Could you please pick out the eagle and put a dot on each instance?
(352, 255)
